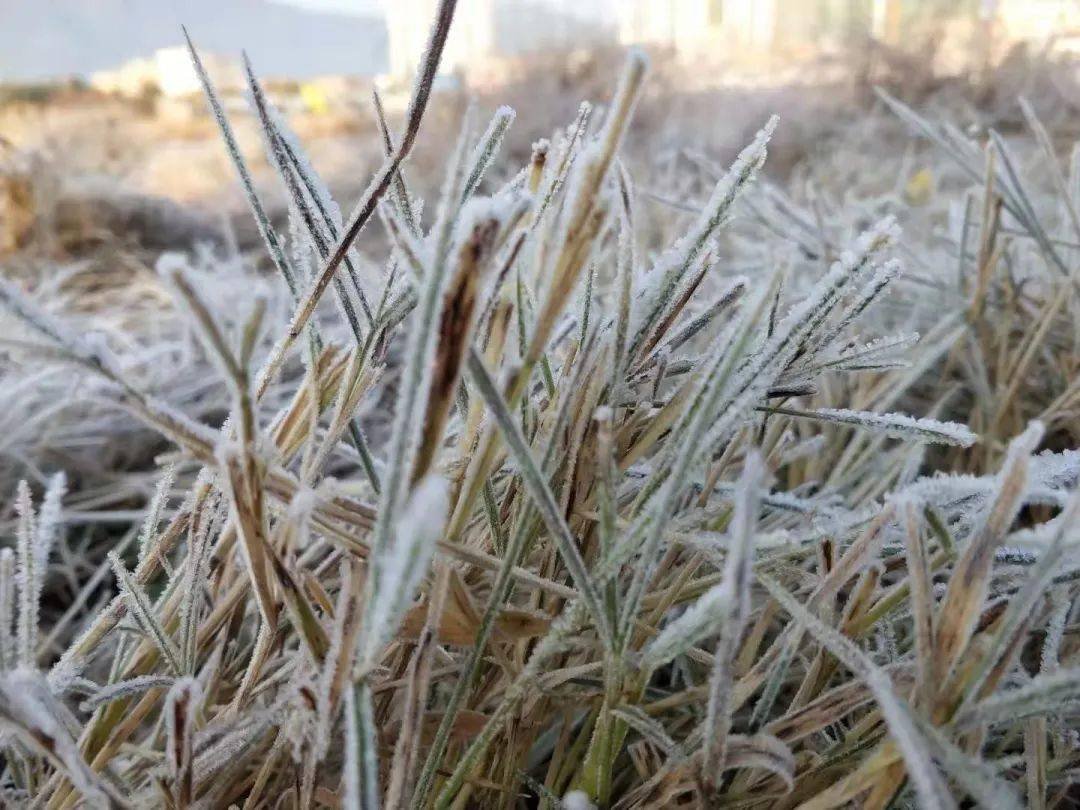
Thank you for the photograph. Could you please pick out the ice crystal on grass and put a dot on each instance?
(893, 425)
(36, 535)
(402, 566)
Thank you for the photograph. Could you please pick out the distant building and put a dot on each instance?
(168, 72)
(487, 30)
(738, 29)
(687, 26)
(741, 29)
(1036, 20)
(407, 26)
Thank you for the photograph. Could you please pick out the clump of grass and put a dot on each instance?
(587, 565)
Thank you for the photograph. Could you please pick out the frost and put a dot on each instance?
(701, 619)
(403, 565)
(28, 708)
(897, 425)
(35, 537)
(142, 611)
(132, 686)
(154, 510)
(659, 283)
(577, 800)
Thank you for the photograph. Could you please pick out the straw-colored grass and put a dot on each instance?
(647, 526)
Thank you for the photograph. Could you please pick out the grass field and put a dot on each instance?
(616, 477)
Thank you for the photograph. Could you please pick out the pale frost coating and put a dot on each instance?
(577, 800)
(404, 564)
(701, 619)
(901, 426)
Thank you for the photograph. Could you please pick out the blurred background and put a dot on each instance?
(105, 135)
